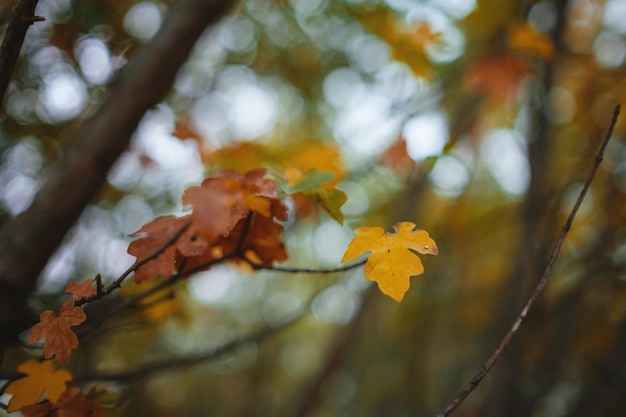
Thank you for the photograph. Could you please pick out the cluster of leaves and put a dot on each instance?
(234, 218)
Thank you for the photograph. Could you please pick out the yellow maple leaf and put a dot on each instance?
(392, 262)
(40, 377)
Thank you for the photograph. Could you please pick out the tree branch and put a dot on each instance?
(72, 182)
(480, 375)
(22, 16)
(175, 363)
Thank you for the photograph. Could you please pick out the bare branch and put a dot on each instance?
(480, 375)
(149, 369)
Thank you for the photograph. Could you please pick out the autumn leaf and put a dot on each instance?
(55, 328)
(81, 290)
(525, 38)
(313, 156)
(263, 243)
(217, 205)
(297, 181)
(71, 404)
(331, 200)
(408, 42)
(392, 261)
(152, 237)
(396, 157)
(315, 185)
(498, 76)
(220, 202)
(241, 156)
(40, 377)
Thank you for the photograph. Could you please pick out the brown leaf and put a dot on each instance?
(263, 241)
(219, 203)
(55, 328)
(81, 290)
(153, 237)
(397, 158)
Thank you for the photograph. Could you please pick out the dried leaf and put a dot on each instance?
(40, 377)
(396, 157)
(83, 289)
(153, 237)
(263, 241)
(55, 328)
(392, 261)
(220, 202)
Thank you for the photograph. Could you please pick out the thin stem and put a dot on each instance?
(342, 268)
(480, 375)
(149, 369)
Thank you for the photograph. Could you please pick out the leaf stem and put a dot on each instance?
(295, 270)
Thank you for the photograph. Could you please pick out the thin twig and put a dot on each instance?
(480, 375)
(342, 268)
(149, 369)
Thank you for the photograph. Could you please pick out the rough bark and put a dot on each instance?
(22, 16)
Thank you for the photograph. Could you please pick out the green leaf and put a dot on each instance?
(331, 200)
(311, 180)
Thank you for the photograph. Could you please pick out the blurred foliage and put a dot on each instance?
(478, 121)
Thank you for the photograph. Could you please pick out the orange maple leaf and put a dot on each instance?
(218, 205)
(81, 290)
(70, 404)
(392, 261)
(262, 243)
(498, 76)
(55, 328)
(40, 377)
(155, 236)
(220, 202)
(396, 157)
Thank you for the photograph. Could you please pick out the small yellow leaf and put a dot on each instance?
(392, 261)
(40, 377)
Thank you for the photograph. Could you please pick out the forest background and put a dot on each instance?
(476, 120)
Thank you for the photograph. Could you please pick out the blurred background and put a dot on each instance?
(476, 120)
